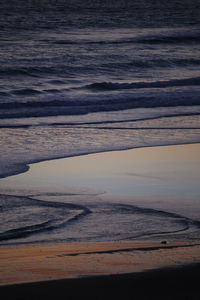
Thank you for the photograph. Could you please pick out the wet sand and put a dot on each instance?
(157, 269)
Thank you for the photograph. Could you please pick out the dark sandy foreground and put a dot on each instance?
(167, 283)
(127, 270)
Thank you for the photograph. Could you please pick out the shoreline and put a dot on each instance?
(109, 269)
(25, 167)
(162, 181)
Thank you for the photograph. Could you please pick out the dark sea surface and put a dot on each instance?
(80, 77)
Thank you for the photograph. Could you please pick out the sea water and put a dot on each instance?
(81, 77)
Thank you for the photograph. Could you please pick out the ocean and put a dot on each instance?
(80, 77)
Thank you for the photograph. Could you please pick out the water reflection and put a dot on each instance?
(168, 170)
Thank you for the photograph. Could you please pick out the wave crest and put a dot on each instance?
(137, 85)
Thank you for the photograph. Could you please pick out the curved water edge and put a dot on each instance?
(78, 81)
(83, 212)
(66, 219)
(68, 216)
(68, 136)
(21, 168)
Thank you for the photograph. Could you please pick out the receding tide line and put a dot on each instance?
(152, 248)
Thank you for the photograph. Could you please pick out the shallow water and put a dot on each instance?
(80, 77)
(92, 76)
(135, 194)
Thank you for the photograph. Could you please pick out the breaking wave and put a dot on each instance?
(137, 85)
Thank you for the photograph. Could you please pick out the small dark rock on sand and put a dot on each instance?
(164, 242)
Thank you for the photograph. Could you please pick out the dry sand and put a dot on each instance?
(41, 262)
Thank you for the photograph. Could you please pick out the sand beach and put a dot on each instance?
(129, 268)
(99, 150)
